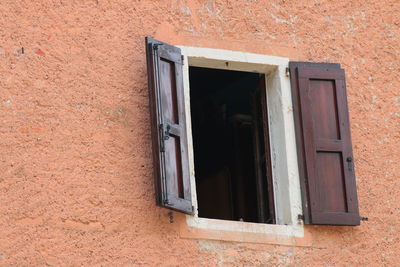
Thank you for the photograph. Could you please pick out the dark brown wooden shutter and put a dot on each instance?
(168, 125)
(324, 144)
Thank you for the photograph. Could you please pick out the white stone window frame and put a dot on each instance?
(286, 185)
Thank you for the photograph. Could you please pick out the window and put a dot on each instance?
(254, 174)
(231, 158)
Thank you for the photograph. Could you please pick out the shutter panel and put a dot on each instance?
(168, 125)
(324, 144)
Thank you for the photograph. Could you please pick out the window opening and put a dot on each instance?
(231, 145)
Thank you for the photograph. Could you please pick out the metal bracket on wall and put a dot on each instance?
(171, 217)
(287, 72)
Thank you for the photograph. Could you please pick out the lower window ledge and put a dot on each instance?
(212, 229)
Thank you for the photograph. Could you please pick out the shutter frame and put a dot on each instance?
(168, 126)
(309, 146)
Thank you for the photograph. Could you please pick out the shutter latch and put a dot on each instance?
(164, 135)
(349, 163)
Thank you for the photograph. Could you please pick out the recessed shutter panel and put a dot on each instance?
(168, 125)
(324, 144)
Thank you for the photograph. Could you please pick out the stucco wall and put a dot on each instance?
(76, 184)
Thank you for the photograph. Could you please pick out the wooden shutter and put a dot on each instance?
(168, 125)
(324, 144)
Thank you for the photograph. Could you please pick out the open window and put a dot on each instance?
(233, 141)
(231, 145)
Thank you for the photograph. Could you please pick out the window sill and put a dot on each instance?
(212, 229)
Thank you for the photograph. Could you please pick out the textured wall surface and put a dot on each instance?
(76, 186)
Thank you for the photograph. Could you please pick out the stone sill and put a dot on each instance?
(212, 229)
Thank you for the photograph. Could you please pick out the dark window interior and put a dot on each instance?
(231, 161)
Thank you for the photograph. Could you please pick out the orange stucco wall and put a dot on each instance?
(76, 184)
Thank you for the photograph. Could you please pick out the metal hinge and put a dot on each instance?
(155, 46)
(183, 60)
(364, 218)
(300, 217)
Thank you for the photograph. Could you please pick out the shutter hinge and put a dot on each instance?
(287, 72)
(364, 218)
(183, 59)
(155, 46)
(300, 217)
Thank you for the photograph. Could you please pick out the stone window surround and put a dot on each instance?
(288, 228)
